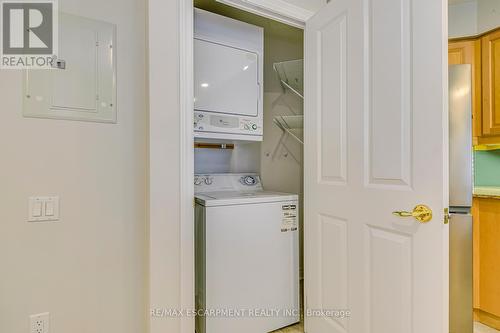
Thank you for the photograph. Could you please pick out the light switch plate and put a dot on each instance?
(43, 209)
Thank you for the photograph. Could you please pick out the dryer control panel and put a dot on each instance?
(216, 123)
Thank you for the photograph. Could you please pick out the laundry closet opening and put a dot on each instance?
(248, 163)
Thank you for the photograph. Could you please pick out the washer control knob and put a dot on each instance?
(198, 181)
(248, 180)
(208, 181)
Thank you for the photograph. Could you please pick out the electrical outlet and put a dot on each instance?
(39, 323)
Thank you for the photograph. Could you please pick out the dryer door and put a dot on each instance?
(226, 79)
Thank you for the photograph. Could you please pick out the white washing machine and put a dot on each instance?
(247, 255)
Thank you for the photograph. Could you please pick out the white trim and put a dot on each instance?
(171, 220)
(277, 10)
(186, 94)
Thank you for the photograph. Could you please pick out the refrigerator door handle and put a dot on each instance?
(447, 215)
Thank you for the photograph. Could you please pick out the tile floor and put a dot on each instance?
(299, 328)
(480, 328)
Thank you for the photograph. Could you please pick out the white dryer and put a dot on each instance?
(228, 78)
(247, 255)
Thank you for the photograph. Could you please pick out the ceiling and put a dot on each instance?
(312, 5)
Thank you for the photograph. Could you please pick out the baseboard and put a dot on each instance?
(487, 318)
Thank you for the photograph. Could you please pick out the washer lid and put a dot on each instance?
(226, 198)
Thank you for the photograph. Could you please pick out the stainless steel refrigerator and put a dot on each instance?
(461, 188)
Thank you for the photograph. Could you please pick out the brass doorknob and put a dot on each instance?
(421, 213)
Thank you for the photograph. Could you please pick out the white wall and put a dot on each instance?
(244, 158)
(473, 17)
(89, 270)
(462, 19)
(488, 15)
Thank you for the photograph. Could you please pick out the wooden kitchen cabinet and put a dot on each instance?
(483, 54)
(486, 256)
(469, 52)
(491, 83)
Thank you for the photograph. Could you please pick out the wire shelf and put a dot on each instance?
(291, 75)
(293, 125)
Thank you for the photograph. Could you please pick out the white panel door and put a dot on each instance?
(376, 142)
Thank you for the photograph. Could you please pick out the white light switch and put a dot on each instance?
(37, 209)
(49, 208)
(42, 209)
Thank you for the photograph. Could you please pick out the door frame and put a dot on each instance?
(184, 224)
(184, 298)
(277, 10)
(272, 9)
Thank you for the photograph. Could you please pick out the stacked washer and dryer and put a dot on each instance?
(247, 243)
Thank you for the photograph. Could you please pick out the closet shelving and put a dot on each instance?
(293, 125)
(291, 76)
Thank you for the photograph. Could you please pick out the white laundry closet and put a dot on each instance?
(248, 128)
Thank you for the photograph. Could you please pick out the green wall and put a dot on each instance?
(487, 168)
